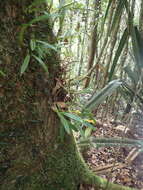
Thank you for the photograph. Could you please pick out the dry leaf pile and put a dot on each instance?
(122, 165)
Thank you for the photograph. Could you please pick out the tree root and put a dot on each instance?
(102, 184)
(90, 178)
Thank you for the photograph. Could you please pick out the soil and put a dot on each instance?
(121, 165)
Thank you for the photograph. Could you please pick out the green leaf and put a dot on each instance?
(99, 97)
(82, 133)
(32, 44)
(37, 3)
(115, 142)
(39, 18)
(41, 63)
(118, 52)
(2, 73)
(87, 124)
(137, 44)
(25, 64)
(78, 119)
(102, 142)
(40, 52)
(47, 45)
(88, 132)
(25, 26)
(73, 116)
(64, 122)
(73, 127)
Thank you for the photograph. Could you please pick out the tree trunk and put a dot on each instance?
(33, 155)
(94, 41)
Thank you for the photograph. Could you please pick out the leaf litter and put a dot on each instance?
(121, 165)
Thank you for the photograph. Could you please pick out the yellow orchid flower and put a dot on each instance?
(76, 112)
(90, 121)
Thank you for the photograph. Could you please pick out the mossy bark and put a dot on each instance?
(33, 155)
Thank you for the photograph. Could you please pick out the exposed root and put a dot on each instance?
(90, 178)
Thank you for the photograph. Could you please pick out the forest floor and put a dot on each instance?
(121, 165)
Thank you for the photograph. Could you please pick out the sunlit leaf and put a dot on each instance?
(73, 116)
(87, 124)
(73, 127)
(88, 132)
(90, 121)
(79, 119)
(76, 112)
(100, 96)
(46, 44)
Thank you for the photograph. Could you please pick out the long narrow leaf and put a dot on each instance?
(25, 64)
(99, 97)
(78, 119)
(25, 26)
(37, 3)
(32, 44)
(64, 123)
(41, 63)
(73, 116)
(137, 43)
(118, 52)
(102, 142)
(47, 45)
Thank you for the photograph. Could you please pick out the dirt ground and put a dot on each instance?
(121, 165)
